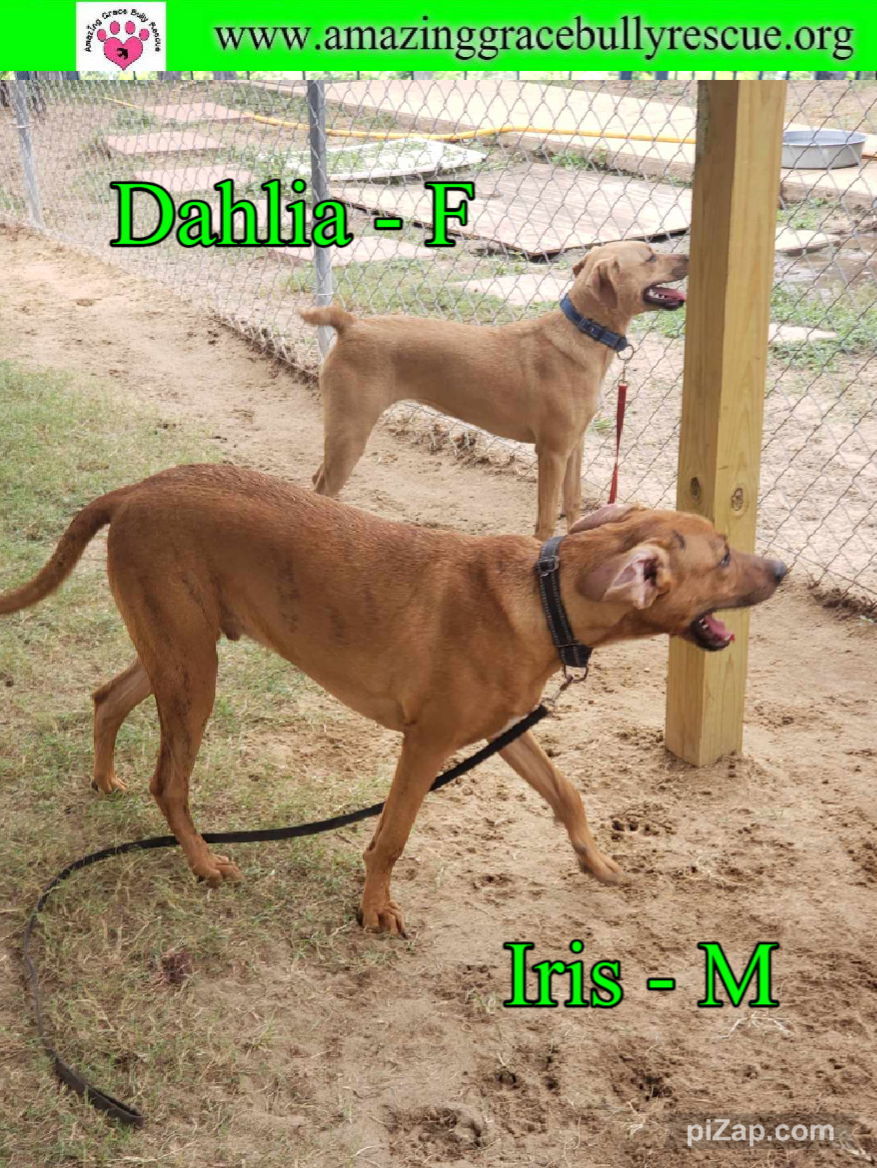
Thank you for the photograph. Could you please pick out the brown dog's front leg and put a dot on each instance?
(551, 470)
(419, 763)
(529, 760)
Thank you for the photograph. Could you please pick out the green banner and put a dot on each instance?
(126, 38)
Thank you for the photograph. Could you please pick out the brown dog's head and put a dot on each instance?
(627, 278)
(667, 572)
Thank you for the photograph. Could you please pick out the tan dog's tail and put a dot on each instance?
(331, 314)
(71, 545)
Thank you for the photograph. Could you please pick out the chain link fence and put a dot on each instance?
(558, 165)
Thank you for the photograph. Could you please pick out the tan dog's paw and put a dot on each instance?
(602, 868)
(106, 784)
(382, 918)
(215, 869)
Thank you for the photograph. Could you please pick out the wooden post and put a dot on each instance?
(733, 226)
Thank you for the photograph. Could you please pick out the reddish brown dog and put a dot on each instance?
(535, 380)
(437, 635)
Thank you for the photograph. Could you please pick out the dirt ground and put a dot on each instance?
(416, 1052)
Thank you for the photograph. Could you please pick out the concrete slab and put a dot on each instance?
(202, 111)
(366, 249)
(795, 334)
(791, 241)
(190, 180)
(160, 142)
(542, 210)
(527, 288)
(854, 186)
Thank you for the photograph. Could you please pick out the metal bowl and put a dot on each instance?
(821, 149)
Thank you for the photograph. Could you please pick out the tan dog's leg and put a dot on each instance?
(552, 465)
(418, 765)
(528, 759)
(113, 703)
(347, 424)
(572, 486)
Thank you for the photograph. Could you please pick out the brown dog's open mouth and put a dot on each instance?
(663, 297)
(709, 633)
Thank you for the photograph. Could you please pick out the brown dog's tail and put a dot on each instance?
(71, 545)
(331, 314)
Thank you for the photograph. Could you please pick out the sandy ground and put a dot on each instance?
(776, 845)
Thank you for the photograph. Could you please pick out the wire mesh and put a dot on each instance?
(558, 164)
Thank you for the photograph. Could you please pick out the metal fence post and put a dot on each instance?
(22, 124)
(320, 190)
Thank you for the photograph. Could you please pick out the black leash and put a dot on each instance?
(77, 1082)
(572, 654)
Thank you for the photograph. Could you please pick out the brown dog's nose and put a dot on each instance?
(778, 568)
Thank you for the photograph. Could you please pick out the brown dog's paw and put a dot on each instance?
(600, 866)
(108, 783)
(215, 869)
(384, 918)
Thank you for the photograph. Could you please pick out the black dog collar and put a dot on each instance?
(597, 332)
(572, 653)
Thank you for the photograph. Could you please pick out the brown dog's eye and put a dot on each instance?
(652, 259)
(726, 559)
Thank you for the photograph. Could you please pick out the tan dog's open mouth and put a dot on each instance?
(663, 297)
(708, 632)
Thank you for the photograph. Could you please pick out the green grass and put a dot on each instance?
(809, 215)
(421, 288)
(271, 755)
(851, 312)
(128, 120)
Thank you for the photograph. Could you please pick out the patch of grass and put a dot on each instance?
(849, 311)
(411, 286)
(127, 120)
(810, 215)
(276, 750)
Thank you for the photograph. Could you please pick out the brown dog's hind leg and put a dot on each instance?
(418, 765)
(528, 759)
(113, 703)
(347, 430)
(174, 628)
(185, 687)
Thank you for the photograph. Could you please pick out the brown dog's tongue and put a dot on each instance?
(718, 629)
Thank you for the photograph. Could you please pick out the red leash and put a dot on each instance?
(619, 427)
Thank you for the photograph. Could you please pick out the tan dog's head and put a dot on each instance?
(666, 572)
(627, 278)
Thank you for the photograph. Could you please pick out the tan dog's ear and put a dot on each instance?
(578, 265)
(637, 577)
(610, 513)
(603, 282)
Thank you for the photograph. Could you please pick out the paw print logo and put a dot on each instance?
(123, 53)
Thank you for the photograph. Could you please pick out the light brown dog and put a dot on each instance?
(535, 381)
(437, 635)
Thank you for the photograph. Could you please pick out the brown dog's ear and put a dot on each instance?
(578, 265)
(637, 577)
(610, 513)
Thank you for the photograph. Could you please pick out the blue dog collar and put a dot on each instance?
(597, 332)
